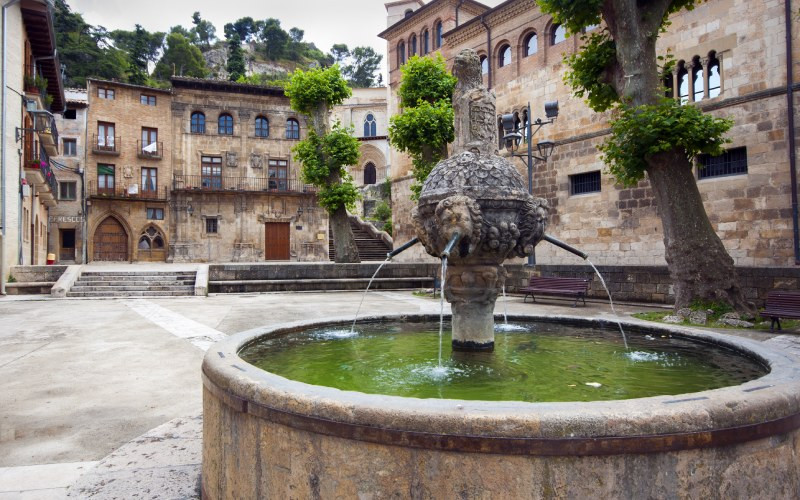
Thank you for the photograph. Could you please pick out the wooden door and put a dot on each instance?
(110, 241)
(67, 248)
(277, 241)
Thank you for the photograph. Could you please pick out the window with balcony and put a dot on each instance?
(292, 129)
(149, 181)
(106, 141)
(69, 147)
(105, 179)
(198, 123)
(147, 100)
(262, 127)
(278, 174)
(225, 124)
(211, 172)
(149, 145)
(67, 190)
(105, 93)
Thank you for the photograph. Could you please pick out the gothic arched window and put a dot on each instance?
(370, 126)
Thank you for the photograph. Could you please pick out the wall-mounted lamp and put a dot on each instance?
(189, 210)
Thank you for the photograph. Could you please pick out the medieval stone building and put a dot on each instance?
(128, 172)
(732, 62)
(237, 192)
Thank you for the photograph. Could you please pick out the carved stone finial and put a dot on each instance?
(473, 107)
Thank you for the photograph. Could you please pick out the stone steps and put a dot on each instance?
(133, 284)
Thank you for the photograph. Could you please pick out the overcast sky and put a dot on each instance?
(325, 22)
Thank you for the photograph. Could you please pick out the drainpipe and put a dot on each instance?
(3, 150)
(458, 8)
(489, 49)
(792, 146)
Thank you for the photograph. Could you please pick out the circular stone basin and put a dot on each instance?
(267, 436)
(535, 362)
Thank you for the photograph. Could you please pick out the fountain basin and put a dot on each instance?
(267, 436)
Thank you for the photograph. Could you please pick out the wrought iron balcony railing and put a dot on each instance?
(153, 151)
(127, 192)
(246, 184)
(106, 145)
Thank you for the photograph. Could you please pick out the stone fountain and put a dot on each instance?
(475, 211)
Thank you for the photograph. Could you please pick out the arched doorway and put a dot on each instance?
(151, 246)
(110, 241)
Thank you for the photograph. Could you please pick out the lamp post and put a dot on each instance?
(545, 148)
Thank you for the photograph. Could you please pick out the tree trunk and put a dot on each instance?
(344, 242)
(698, 263)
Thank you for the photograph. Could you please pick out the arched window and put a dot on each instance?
(370, 174)
(426, 42)
(150, 239)
(225, 124)
(370, 126)
(438, 35)
(198, 123)
(292, 129)
(531, 44)
(262, 127)
(698, 82)
(412, 46)
(504, 56)
(484, 65)
(683, 83)
(401, 53)
(558, 34)
(408, 13)
(714, 79)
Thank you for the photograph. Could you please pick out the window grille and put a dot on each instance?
(588, 182)
(731, 162)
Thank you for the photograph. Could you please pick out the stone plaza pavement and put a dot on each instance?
(101, 398)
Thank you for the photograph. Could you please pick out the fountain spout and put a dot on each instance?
(566, 247)
(403, 248)
(450, 244)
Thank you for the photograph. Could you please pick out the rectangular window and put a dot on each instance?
(70, 147)
(105, 93)
(731, 162)
(211, 170)
(105, 179)
(149, 141)
(148, 100)
(155, 213)
(149, 180)
(211, 225)
(278, 174)
(105, 136)
(67, 190)
(588, 182)
(71, 114)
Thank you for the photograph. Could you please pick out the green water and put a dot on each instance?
(545, 362)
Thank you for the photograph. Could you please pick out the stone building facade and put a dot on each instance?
(732, 62)
(67, 219)
(367, 112)
(237, 195)
(32, 91)
(128, 172)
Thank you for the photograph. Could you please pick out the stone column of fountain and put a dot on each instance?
(480, 200)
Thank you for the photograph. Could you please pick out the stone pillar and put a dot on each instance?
(704, 62)
(676, 90)
(472, 292)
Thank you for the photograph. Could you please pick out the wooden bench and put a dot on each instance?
(781, 304)
(548, 285)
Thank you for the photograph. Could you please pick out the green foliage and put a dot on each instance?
(274, 38)
(205, 31)
(383, 212)
(265, 79)
(358, 66)
(236, 67)
(717, 308)
(11, 278)
(425, 79)
(640, 132)
(307, 89)
(587, 68)
(246, 28)
(181, 57)
(573, 14)
(386, 188)
(324, 160)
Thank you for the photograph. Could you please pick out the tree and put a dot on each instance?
(142, 48)
(360, 70)
(245, 27)
(274, 39)
(339, 52)
(180, 58)
(618, 69)
(325, 153)
(236, 67)
(425, 126)
(205, 31)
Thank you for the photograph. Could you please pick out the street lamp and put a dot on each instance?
(513, 136)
